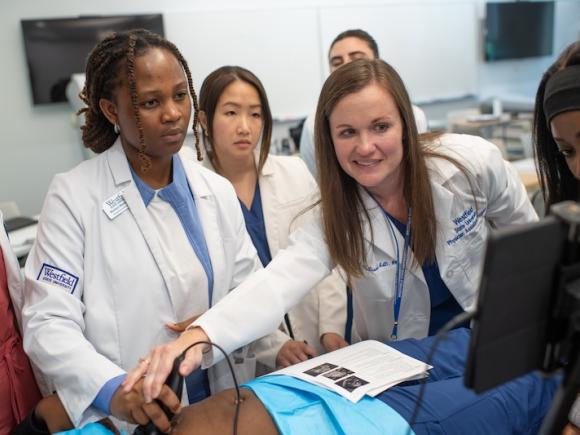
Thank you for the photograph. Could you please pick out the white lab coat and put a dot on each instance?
(501, 200)
(124, 292)
(287, 189)
(307, 148)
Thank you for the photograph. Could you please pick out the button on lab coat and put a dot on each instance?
(499, 199)
(83, 336)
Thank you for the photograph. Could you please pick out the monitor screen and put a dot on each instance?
(516, 293)
(57, 48)
(515, 30)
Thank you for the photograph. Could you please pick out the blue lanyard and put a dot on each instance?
(400, 274)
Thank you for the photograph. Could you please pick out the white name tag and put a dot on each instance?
(115, 205)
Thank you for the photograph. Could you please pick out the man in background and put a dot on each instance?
(347, 46)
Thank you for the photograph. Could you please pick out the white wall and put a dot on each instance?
(40, 141)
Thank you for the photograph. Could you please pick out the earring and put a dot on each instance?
(116, 128)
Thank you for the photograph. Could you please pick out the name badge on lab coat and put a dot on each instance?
(115, 205)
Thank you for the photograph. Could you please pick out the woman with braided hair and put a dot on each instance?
(137, 235)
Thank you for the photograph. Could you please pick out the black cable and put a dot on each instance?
(441, 334)
(238, 396)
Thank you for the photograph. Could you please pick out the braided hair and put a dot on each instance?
(103, 69)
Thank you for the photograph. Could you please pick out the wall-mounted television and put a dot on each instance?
(58, 47)
(516, 30)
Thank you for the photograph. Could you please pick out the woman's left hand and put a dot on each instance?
(158, 364)
(332, 341)
(293, 352)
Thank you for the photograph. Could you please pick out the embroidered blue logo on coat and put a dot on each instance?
(54, 275)
(465, 223)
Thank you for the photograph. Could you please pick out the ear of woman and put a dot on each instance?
(109, 109)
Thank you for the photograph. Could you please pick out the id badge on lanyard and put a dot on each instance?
(400, 273)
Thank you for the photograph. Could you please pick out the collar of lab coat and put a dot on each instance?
(268, 168)
(382, 237)
(442, 200)
(376, 231)
(121, 172)
(118, 163)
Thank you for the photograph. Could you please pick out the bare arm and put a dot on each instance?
(216, 415)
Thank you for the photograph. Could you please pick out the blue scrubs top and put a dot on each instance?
(444, 306)
(178, 193)
(254, 219)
